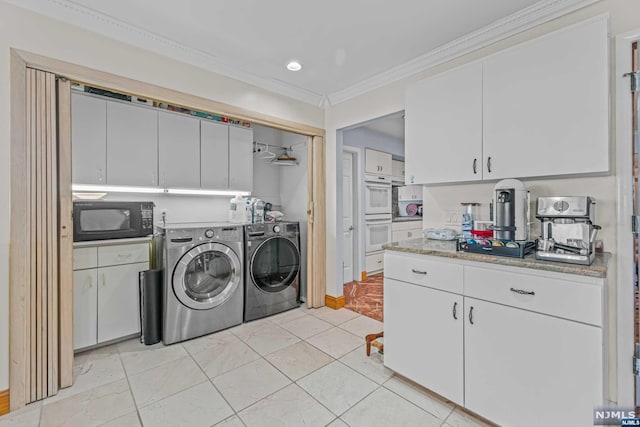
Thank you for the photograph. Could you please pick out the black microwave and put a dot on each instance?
(102, 220)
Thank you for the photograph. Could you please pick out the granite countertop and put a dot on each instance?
(406, 218)
(447, 249)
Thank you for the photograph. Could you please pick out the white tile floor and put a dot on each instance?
(302, 367)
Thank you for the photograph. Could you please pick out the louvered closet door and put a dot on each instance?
(43, 268)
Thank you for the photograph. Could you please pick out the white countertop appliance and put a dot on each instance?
(568, 231)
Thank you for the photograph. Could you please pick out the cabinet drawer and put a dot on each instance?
(85, 258)
(374, 262)
(123, 254)
(424, 271)
(563, 298)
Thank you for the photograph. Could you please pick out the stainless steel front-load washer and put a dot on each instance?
(272, 268)
(203, 278)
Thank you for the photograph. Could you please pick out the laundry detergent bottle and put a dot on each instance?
(237, 210)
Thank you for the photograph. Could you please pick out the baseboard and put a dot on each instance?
(334, 302)
(4, 402)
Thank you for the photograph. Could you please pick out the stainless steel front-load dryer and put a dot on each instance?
(272, 268)
(203, 278)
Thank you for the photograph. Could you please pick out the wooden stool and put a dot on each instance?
(371, 340)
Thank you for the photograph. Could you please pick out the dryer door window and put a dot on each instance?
(207, 276)
(275, 265)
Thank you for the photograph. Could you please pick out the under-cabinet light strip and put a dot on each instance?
(127, 189)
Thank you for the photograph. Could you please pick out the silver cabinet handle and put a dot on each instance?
(419, 271)
(521, 292)
(475, 166)
(471, 315)
(100, 178)
(455, 310)
(380, 262)
(489, 164)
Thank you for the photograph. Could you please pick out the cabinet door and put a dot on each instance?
(119, 301)
(132, 145)
(89, 139)
(423, 337)
(385, 161)
(546, 105)
(178, 150)
(528, 369)
(443, 127)
(85, 308)
(397, 169)
(214, 155)
(240, 158)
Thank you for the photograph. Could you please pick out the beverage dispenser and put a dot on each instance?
(512, 210)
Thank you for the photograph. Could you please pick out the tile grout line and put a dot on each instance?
(424, 410)
(133, 397)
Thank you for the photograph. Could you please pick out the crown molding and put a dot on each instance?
(80, 16)
(522, 20)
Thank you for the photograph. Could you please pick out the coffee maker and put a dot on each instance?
(512, 210)
(568, 231)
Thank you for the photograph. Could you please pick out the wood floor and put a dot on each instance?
(365, 297)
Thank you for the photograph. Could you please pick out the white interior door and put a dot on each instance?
(348, 216)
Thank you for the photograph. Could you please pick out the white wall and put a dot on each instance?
(438, 199)
(266, 177)
(25, 30)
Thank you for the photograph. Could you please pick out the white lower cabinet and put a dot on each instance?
(374, 262)
(517, 346)
(106, 304)
(528, 369)
(423, 352)
(118, 301)
(85, 308)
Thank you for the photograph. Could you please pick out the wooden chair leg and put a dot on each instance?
(370, 338)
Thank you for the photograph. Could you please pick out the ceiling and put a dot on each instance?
(345, 47)
(392, 126)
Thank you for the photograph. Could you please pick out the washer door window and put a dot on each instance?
(207, 276)
(275, 265)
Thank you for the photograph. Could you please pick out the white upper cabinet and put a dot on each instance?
(546, 105)
(89, 139)
(132, 145)
(397, 170)
(240, 158)
(443, 127)
(540, 108)
(378, 162)
(178, 150)
(214, 155)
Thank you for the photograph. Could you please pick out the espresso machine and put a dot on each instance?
(568, 231)
(512, 211)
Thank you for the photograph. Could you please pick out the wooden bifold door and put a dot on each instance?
(45, 250)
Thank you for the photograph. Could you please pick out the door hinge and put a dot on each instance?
(635, 220)
(634, 80)
(636, 365)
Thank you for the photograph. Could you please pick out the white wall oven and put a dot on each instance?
(377, 232)
(377, 196)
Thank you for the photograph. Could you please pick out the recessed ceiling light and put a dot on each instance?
(294, 66)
